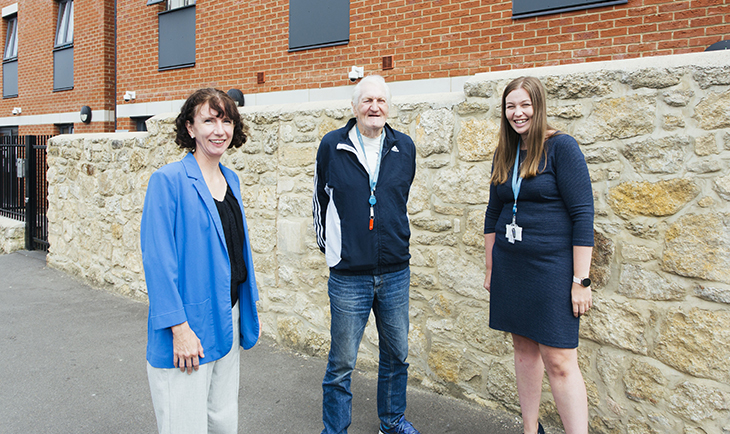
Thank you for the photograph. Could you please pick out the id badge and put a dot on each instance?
(513, 233)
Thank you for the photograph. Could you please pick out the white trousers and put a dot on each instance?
(204, 402)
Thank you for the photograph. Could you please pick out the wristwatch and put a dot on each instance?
(584, 282)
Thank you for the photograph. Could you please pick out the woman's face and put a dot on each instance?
(518, 110)
(212, 134)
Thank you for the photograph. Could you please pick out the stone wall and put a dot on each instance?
(656, 136)
(12, 235)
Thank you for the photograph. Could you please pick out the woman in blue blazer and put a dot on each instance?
(199, 272)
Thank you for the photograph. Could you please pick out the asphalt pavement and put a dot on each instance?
(72, 360)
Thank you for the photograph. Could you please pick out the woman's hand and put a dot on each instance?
(581, 295)
(582, 299)
(186, 347)
(488, 246)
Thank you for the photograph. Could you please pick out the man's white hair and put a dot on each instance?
(374, 79)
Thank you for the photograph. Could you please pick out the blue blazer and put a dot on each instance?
(187, 267)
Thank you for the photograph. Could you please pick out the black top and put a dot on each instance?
(232, 221)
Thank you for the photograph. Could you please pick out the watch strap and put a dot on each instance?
(584, 282)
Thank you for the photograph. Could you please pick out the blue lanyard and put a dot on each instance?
(516, 181)
(373, 176)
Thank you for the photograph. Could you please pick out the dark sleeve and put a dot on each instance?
(320, 199)
(494, 208)
(574, 185)
(413, 161)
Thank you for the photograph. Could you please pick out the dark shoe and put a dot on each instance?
(540, 430)
(402, 427)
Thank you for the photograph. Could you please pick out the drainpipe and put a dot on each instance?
(114, 97)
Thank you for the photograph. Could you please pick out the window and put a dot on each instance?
(10, 59)
(8, 132)
(174, 4)
(65, 128)
(140, 122)
(176, 33)
(63, 48)
(318, 23)
(11, 40)
(65, 27)
(531, 8)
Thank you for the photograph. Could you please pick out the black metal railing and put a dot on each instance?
(23, 186)
(12, 186)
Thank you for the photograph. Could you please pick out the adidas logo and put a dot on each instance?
(394, 149)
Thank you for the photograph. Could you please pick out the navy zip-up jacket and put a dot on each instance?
(342, 212)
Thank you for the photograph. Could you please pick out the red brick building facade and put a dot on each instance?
(118, 48)
(44, 110)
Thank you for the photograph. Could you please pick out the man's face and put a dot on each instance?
(371, 110)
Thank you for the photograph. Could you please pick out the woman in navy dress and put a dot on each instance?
(538, 234)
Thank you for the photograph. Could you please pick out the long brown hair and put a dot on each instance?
(504, 155)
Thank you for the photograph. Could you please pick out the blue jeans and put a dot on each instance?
(351, 298)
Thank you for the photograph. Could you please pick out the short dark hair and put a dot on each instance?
(218, 101)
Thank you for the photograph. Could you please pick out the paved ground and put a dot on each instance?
(72, 361)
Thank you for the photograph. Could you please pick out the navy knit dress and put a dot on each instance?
(532, 279)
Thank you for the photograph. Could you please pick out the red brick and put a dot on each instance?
(698, 4)
(704, 42)
(642, 48)
(613, 15)
(610, 33)
(592, 43)
(690, 13)
(663, 45)
(673, 6)
(612, 50)
(559, 38)
(601, 25)
(689, 34)
(598, 58)
(723, 10)
(675, 24)
(628, 22)
(653, 37)
(625, 40)
(426, 39)
(642, 11)
(582, 36)
(718, 30)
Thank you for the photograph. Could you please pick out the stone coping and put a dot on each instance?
(6, 222)
(707, 59)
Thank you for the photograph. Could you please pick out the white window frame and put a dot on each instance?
(174, 4)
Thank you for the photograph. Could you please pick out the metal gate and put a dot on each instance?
(23, 186)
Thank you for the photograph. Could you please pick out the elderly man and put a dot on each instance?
(363, 175)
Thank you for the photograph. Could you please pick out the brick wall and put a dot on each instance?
(93, 62)
(426, 39)
(439, 38)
